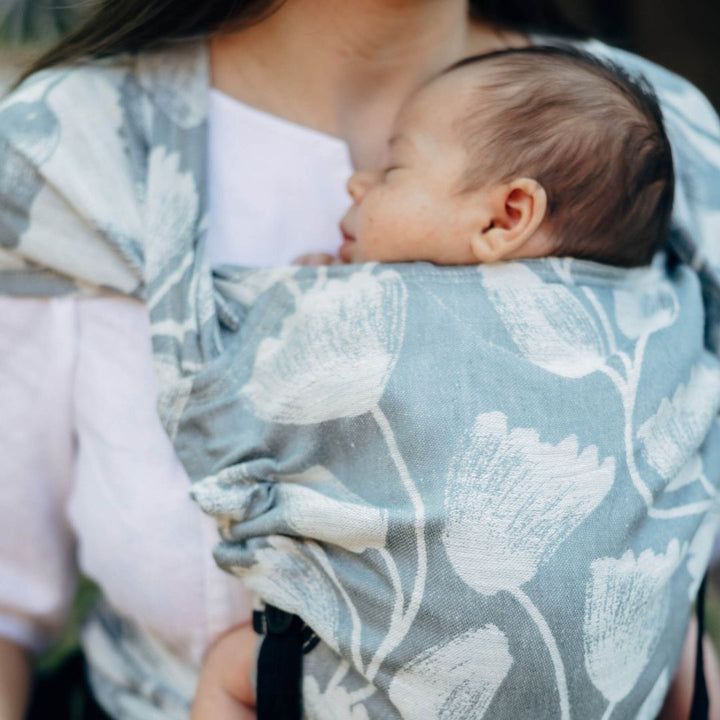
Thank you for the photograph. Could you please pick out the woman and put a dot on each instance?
(333, 70)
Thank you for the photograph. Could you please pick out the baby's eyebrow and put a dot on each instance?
(399, 138)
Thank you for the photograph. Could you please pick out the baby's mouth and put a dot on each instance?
(345, 251)
(347, 236)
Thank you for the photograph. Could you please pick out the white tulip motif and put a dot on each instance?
(454, 681)
(284, 574)
(549, 325)
(332, 359)
(679, 425)
(626, 607)
(645, 310)
(105, 202)
(335, 353)
(554, 330)
(510, 502)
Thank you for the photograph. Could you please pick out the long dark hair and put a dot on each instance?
(118, 26)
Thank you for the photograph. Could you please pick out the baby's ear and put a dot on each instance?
(515, 212)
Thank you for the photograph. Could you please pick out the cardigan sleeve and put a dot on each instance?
(70, 224)
(37, 568)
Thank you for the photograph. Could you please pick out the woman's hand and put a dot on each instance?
(14, 681)
(316, 259)
(225, 690)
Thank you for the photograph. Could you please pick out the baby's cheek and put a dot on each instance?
(398, 240)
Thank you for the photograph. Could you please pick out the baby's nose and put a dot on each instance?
(358, 184)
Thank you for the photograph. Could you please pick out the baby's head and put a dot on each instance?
(521, 153)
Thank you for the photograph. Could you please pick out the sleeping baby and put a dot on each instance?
(519, 154)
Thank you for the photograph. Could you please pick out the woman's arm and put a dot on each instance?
(37, 570)
(679, 697)
(14, 680)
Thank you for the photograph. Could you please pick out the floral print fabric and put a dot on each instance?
(491, 491)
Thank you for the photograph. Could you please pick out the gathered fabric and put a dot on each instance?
(490, 491)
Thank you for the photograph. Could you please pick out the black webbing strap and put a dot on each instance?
(700, 705)
(279, 664)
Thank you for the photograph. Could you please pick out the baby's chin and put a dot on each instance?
(348, 252)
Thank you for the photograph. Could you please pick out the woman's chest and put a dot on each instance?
(276, 189)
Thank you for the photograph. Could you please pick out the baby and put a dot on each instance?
(519, 154)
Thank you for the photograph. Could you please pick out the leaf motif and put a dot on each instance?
(172, 204)
(647, 308)
(335, 353)
(336, 703)
(104, 198)
(172, 394)
(689, 473)
(280, 573)
(317, 505)
(626, 606)
(549, 325)
(314, 505)
(653, 702)
(246, 287)
(176, 83)
(512, 500)
(680, 425)
(454, 681)
(31, 128)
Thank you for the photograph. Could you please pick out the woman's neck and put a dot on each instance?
(345, 67)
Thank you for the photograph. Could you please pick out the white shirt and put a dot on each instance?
(88, 477)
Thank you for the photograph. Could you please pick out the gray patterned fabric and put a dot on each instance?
(490, 490)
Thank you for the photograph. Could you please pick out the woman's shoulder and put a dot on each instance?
(693, 128)
(75, 147)
(84, 86)
(678, 96)
(128, 89)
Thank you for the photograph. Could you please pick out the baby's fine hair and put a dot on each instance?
(591, 134)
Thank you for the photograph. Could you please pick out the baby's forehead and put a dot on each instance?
(458, 83)
(445, 99)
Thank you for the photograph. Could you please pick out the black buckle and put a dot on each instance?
(274, 621)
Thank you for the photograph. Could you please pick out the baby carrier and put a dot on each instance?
(482, 491)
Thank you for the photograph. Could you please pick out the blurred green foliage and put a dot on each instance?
(712, 608)
(67, 642)
(38, 21)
